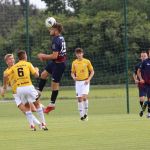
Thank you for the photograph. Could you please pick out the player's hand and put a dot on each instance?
(75, 78)
(142, 81)
(37, 69)
(87, 82)
(41, 56)
(2, 92)
(136, 81)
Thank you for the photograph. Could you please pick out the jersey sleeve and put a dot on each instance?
(32, 69)
(73, 68)
(89, 65)
(142, 65)
(8, 72)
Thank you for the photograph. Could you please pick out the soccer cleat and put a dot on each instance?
(86, 117)
(82, 118)
(48, 109)
(33, 128)
(44, 127)
(141, 113)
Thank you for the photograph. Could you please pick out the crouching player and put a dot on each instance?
(26, 94)
(82, 72)
(144, 76)
(141, 87)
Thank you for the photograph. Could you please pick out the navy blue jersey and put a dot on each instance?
(145, 70)
(59, 45)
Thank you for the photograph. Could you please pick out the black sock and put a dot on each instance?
(54, 96)
(141, 103)
(148, 106)
(145, 105)
(42, 84)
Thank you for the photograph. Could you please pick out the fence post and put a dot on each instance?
(27, 28)
(126, 53)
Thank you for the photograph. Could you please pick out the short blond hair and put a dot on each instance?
(7, 56)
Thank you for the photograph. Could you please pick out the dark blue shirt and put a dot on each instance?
(145, 70)
(59, 45)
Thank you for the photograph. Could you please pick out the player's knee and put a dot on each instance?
(54, 86)
(142, 99)
(44, 75)
(80, 99)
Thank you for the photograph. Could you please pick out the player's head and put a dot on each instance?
(143, 55)
(9, 59)
(56, 29)
(79, 53)
(22, 55)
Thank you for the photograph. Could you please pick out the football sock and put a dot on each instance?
(42, 84)
(86, 103)
(141, 103)
(41, 115)
(148, 106)
(81, 109)
(54, 96)
(35, 120)
(29, 117)
(144, 105)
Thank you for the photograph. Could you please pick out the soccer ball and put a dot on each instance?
(49, 22)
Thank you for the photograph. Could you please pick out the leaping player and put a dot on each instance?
(56, 65)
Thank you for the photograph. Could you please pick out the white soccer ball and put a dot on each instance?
(49, 22)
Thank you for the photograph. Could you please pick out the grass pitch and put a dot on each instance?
(108, 128)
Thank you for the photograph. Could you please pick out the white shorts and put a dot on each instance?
(17, 100)
(81, 88)
(27, 94)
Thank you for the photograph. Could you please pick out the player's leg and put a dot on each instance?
(146, 103)
(54, 94)
(40, 114)
(57, 72)
(85, 92)
(23, 109)
(81, 107)
(44, 76)
(22, 94)
(79, 95)
(142, 95)
(86, 105)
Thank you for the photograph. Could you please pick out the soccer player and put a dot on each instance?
(144, 76)
(19, 74)
(82, 72)
(10, 61)
(141, 87)
(56, 66)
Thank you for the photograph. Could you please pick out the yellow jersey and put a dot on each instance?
(81, 68)
(11, 80)
(21, 72)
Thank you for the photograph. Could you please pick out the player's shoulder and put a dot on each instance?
(86, 60)
(138, 65)
(6, 70)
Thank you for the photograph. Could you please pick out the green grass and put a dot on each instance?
(108, 128)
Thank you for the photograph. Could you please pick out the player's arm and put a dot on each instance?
(73, 72)
(140, 76)
(34, 71)
(91, 70)
(4, 87)
(135, 78)
(90, 76)
(45, 57)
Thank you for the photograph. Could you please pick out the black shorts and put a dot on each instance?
(56, 70)
(142, 91)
